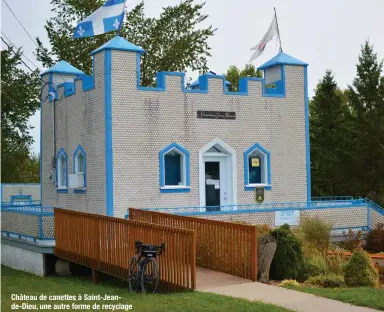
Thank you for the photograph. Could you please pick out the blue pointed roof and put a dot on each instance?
(119, 43)
(282, 58)
(197, 82)
(62, 67)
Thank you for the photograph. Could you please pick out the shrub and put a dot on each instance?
(317, 265)
(327, 281)
(288, 261)
(290, 282)
(375, 239)
(315, 235)
(335, 263)
(360, 271)
(352, 240)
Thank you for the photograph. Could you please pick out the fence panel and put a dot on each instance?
(221, 246)
(107, 245)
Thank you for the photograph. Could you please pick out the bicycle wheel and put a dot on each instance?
(134, 276)
(150, 276)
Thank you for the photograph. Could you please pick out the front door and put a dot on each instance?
(215, 182)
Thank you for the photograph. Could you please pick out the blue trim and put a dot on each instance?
(178, 190)
(22, 197)
(1, 192)
(281, 59)
(27, 236)
(59, 153)
(279, 91)
(240, 211)
(62, 67)
(162, 173)
(88, 82)
(308, 148)
(203, 83)
(118, 43)
(108, 131)
(80, 149)
(246, 166)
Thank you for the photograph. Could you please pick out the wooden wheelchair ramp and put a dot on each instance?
(206, 278)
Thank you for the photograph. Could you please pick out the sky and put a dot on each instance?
(326, 34)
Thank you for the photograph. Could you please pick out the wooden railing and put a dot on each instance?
(222, 246)
(107, 244)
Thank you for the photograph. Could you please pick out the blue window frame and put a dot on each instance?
(174, 169)
(257, 167)
(80, 166)
(61, 171)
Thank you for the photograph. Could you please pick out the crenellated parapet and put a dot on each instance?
(128, 64)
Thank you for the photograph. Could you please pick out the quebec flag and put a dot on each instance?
(105, 19)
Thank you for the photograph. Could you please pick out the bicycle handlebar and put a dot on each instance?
(139, 245)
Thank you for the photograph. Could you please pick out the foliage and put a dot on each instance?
(375, 239)
(315, 235)
(317, 264)
(16, 282)
(347, 132)
(19, 101)
(336, 263)
(329, 137)
(288, 262)
(360, 270)
(330, 280)
(234, 74)
(366, 100)
(352, 240)
(289, 282)
(174, 41)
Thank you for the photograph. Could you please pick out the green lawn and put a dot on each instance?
(361, 296)
(17, 282)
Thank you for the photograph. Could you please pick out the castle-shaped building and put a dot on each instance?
(109, 143)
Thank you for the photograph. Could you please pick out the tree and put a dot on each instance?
(329, 137)
(233, 75)
(174, 41)
(366, 100)
(19, 101)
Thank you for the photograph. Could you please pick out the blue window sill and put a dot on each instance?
(252, 188)
(80, 191)
(175, 190)
(61, 190)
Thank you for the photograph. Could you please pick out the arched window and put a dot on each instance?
(174, 169)
(61, 171)
(80, 165)
(257, 167)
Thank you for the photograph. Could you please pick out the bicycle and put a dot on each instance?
(144, 269)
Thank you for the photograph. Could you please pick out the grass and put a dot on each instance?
(360, 296)
(18, 282)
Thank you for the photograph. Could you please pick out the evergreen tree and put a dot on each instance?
(174, 41)
(233, 75)
(366, 99)
(329, 138)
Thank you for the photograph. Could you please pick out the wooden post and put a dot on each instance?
(193, 261)
(95, 276)
(254, 254)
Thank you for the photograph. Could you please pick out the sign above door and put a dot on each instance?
(215, 115)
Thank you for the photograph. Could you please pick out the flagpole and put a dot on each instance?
(278, 32)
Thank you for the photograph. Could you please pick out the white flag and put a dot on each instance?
(259, 48)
